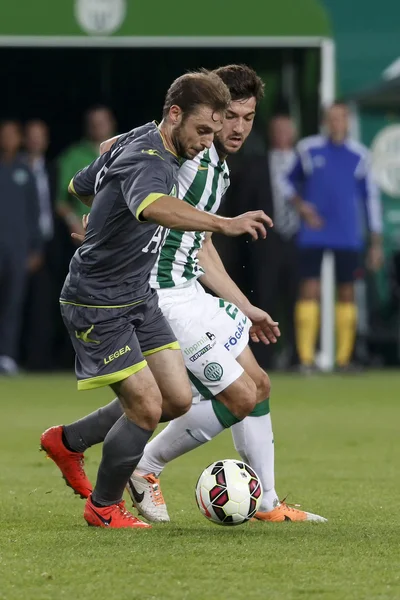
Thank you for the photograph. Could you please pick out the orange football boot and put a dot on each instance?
(70, 463)
(287, 512)
(113, 517)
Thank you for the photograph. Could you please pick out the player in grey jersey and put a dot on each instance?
(120, 336)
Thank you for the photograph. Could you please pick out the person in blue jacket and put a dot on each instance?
(333, 189)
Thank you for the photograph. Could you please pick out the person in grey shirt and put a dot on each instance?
(42, 323)
(282, 270)
(20, 241)
(120, 336)
(270, 274)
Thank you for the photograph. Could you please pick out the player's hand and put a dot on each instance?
(264, 328)
(254, 223)
(375, 257)
(309, 214)
(79, 236)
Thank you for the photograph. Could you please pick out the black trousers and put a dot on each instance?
(275, 284)
(45, 344)
(40, 314)
(13, 276)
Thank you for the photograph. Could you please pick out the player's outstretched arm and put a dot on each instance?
(176, 214)
(216, 278)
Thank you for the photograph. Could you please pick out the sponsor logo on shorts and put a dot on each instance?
(200, 353)
(116, 354)
(196, 347)
(236, 337)
(84, 336)
(213, 371)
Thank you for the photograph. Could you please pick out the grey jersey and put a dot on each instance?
(113, 265)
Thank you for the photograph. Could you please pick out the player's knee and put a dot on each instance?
(179, 406)
(310, 290)
(145, 410)
(148, 419)
(346, 293)
(152, 415)
(263, 384)
(245, 397)
(178, 402)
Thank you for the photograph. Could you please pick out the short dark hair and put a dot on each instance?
(195, 89)
(242, 82)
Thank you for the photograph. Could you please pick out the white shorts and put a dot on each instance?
(211, 332)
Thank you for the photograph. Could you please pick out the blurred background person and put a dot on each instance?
(41, 314)
(268, 271)
(281, 268)
(330, 183)
(99, 125)
(20, 240)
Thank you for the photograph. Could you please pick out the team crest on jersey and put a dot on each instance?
(100, 17)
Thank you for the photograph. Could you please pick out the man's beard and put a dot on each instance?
(178, 143)
(219, 146)
(224, 150)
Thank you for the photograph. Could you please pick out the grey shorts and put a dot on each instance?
(111, 343)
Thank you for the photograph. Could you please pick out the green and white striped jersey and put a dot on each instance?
(202, 183)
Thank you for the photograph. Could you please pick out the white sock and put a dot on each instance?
(198, 426)
(254, 441)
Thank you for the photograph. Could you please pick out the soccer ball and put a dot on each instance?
(228, 492)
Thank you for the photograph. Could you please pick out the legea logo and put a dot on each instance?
(100, 17)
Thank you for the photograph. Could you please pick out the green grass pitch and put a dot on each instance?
(337, 453)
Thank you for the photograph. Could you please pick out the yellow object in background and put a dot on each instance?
(346, 324)
(307, 327)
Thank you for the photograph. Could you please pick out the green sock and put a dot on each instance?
(227, 419)
(223, 414)
(260, 409)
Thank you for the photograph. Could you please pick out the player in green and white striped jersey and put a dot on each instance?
(202, 183)
(213, 331)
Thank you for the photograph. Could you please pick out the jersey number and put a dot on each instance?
(103, 171)
(156, 241)
(229, 309)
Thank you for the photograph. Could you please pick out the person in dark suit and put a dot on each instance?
(20, 241)
(267, 270)
(42, 320)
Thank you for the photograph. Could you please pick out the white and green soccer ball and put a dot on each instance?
(228, 492)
